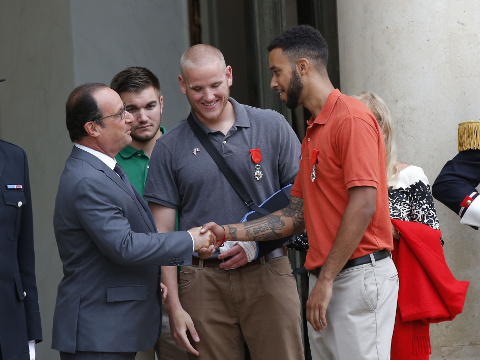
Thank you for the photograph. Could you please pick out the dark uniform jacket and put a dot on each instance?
(458, 179)
(19, 310)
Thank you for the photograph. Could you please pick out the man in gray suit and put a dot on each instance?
(109, 300)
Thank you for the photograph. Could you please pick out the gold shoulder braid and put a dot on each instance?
(469, 135)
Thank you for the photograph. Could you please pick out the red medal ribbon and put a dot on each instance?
(256, 155)
(313, 159)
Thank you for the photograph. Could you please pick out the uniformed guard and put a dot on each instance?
(456, 184)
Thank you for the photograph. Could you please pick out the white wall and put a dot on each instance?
(47, 48)
(422, 59)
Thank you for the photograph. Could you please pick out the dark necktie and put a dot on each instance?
(118, 169)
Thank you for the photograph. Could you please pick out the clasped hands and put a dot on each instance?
(234, 254)
(207, 238)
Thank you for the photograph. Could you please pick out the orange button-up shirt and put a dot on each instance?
(346, 145)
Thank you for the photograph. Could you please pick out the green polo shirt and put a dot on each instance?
(135, 163)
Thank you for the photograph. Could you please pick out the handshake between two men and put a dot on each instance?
(274, 226)
(206, 240)
(216, 235)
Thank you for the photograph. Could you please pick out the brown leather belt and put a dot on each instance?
(281, 251)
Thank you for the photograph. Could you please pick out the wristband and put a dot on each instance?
(224, 236)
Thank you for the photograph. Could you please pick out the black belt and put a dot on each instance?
(378, 255)
(281, 251)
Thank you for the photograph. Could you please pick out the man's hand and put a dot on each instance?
(180, 323)
(356, 217)
(317, 304)
(164, 290)
(202, 239)
(238, 258)
(218, 230)
(396, 235)
(205, 253)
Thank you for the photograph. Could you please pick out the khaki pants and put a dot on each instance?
(361, 314)
(257, 303)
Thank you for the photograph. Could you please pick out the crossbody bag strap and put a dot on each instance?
(223, 166)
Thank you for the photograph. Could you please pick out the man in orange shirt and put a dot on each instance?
(340, 196)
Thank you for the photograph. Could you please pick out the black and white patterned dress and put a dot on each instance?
(410, 198)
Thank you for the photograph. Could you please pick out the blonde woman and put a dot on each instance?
(409, 191)
(411, 201)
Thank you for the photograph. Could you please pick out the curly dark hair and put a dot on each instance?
(135, 79)
(81, 107)
(302, 41)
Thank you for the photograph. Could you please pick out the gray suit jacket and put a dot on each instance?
(109, 299)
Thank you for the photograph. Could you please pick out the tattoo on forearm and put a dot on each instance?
(272, 226)
(295, 211)
(232, 231)
(265, 228)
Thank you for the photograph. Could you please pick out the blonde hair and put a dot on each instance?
(201, 54)
(382, 114)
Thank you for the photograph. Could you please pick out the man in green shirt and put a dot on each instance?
(139, 89)
(135, 160)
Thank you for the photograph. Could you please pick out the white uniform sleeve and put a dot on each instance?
(472, 214)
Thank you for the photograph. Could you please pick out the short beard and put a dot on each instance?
(295, 88)
(144, 140)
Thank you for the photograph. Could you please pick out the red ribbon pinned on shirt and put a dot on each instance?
(256, 155)
(313, 159)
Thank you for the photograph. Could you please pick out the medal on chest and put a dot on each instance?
(314, 161)
(256, 158)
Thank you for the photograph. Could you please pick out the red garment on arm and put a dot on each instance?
(428, 293)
